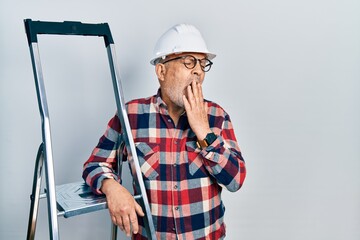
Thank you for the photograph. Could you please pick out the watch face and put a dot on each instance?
(210, 138)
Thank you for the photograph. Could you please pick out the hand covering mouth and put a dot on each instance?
(185, 90)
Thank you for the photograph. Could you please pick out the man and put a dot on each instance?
(186, 148)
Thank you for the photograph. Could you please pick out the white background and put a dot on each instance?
(287, 72)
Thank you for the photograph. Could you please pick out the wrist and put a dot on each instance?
(202, 135)
(106, 184)
(207, 140)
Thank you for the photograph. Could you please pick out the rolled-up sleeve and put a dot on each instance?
(103, 159)
(223, 159)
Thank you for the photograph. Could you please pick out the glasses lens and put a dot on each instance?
(206, 64)
(190, 62)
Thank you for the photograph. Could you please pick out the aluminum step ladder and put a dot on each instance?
(73, 199)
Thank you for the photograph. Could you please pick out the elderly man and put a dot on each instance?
(186, 147)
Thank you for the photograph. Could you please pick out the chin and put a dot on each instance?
(179, 103)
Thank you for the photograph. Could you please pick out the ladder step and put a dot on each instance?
(77, 198)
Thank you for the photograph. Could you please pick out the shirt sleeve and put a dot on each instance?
(223, 159)
(103, 159)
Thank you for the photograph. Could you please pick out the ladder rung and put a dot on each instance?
(61, 213)
(41, 196)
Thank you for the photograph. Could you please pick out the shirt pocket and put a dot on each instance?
(148, 155)
(195, 161)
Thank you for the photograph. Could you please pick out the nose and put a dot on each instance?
(197, 69)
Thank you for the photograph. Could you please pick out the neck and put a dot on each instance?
(175, 112)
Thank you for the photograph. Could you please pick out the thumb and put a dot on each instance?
(206, 107)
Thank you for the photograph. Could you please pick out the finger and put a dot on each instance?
(201, 95)
(190, 96)
(139, 210)
(186, 104)
(195, 90)
(134, 223)
(113, 219)
(126, 224)
(119, 223)
(206, 107)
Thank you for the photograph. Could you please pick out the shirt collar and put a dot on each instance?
(158, 100)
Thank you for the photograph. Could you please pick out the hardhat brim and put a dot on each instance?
(154, 61)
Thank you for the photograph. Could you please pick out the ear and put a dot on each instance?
(160, 70)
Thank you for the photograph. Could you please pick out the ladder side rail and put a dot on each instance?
(35, 194)
(46, 137)
(114, 228)
(129, 141)
(114, 231)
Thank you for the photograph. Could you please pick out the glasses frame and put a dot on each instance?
(196, 61)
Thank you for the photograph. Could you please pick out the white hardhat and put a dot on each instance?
(180, 38)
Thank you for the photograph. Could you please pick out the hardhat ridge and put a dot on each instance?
(180, 38)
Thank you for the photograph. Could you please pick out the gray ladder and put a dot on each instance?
(76, 198)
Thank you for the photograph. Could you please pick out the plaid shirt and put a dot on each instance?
(183, 182)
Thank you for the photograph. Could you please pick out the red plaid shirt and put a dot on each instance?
(183, 182)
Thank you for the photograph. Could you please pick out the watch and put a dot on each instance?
(208, 140)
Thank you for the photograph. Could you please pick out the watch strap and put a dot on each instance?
(208, 140)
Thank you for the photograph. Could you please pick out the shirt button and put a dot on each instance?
(176, 208)
(174, 229)
(175, 187)
(169, 120)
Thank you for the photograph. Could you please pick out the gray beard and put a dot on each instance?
(174, 97)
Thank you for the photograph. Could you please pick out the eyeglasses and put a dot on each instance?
(191, 61)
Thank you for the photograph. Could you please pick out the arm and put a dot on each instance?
(102, 161)
(100, 175)
(222, 158)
